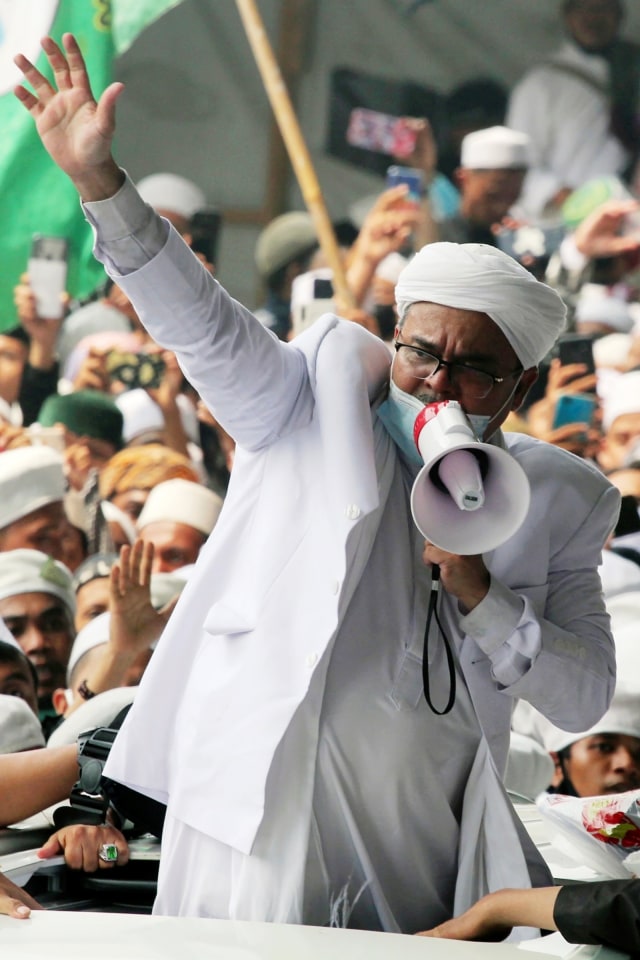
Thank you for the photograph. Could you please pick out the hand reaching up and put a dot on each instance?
(75, 129)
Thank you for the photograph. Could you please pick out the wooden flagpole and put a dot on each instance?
(295, 144)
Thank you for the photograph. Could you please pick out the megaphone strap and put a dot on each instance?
(432, 612)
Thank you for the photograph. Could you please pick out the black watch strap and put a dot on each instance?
(89, 804)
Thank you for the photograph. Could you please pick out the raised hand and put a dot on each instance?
(75, 130)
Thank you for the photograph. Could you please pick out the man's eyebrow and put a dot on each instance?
(423, 344)
(18, 675)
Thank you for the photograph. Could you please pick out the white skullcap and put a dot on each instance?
(476, 276)
(622, 397)
(104, 340)
(142, 415)
(168, 191)
(391, 266)
(182, 501)
(30, 478)
(623, 716)
(93, 634)
(494, 148)
(100, 711)
(85, 321)
(19, 727)
(596, 307)
(611, 350)
(529, 768)
(30, 571)
(624, 608)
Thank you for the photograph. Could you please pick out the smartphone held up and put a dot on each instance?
(47, 270)
(381, 132)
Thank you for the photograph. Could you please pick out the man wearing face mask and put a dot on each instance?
(282, 718)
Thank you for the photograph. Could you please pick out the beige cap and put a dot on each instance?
(30, 478)
(284, 239)
(19, 727)
(495, 148)
(182, 501)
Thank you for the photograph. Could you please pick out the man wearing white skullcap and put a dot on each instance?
(174, 197)
(32, 488)
(493, 164)
(606, 757)
(177, 518)
(294, 654)
(37, 606)
(620, 421)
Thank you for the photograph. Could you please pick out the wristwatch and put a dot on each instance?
(88, 801)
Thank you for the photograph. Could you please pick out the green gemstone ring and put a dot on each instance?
(108, 852)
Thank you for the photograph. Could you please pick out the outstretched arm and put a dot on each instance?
(34, 780)
(493, 917)
(75, 129)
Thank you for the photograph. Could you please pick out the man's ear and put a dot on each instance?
(59, 701)
(558, 772)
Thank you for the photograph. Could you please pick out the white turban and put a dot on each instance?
(476, 276)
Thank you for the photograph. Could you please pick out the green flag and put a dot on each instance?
(35, 196)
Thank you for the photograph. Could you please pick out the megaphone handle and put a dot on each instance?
(426, 682)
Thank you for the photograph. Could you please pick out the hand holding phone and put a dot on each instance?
(411, 176)
(136, 370)
(574, 408)
(47, 269)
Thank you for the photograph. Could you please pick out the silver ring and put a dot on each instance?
(108, 852)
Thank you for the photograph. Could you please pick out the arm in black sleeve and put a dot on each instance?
(605, 912)
(36, 386)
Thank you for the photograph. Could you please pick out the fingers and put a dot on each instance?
(11, 907)
(52, 848)
(82, 845)
(58, 62)
(43, 89)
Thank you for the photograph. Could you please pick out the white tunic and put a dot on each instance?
(246, 705)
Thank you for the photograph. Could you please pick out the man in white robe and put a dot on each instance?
(282, 717)
(565, 106)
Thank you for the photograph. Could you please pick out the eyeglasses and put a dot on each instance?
(468, 380)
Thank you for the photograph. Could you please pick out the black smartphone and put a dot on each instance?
(629, 519)
(205, 233)
(322, 289)
(576, 348)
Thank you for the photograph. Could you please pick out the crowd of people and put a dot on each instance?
(219, 500)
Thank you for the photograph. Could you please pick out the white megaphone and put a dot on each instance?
(469, 497)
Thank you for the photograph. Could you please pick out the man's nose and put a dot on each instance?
(441, 383)
(33, 640)
(625, 759)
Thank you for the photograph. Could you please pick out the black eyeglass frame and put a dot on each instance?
(450, 365)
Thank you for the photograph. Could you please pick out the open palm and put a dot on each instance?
(75, 129)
